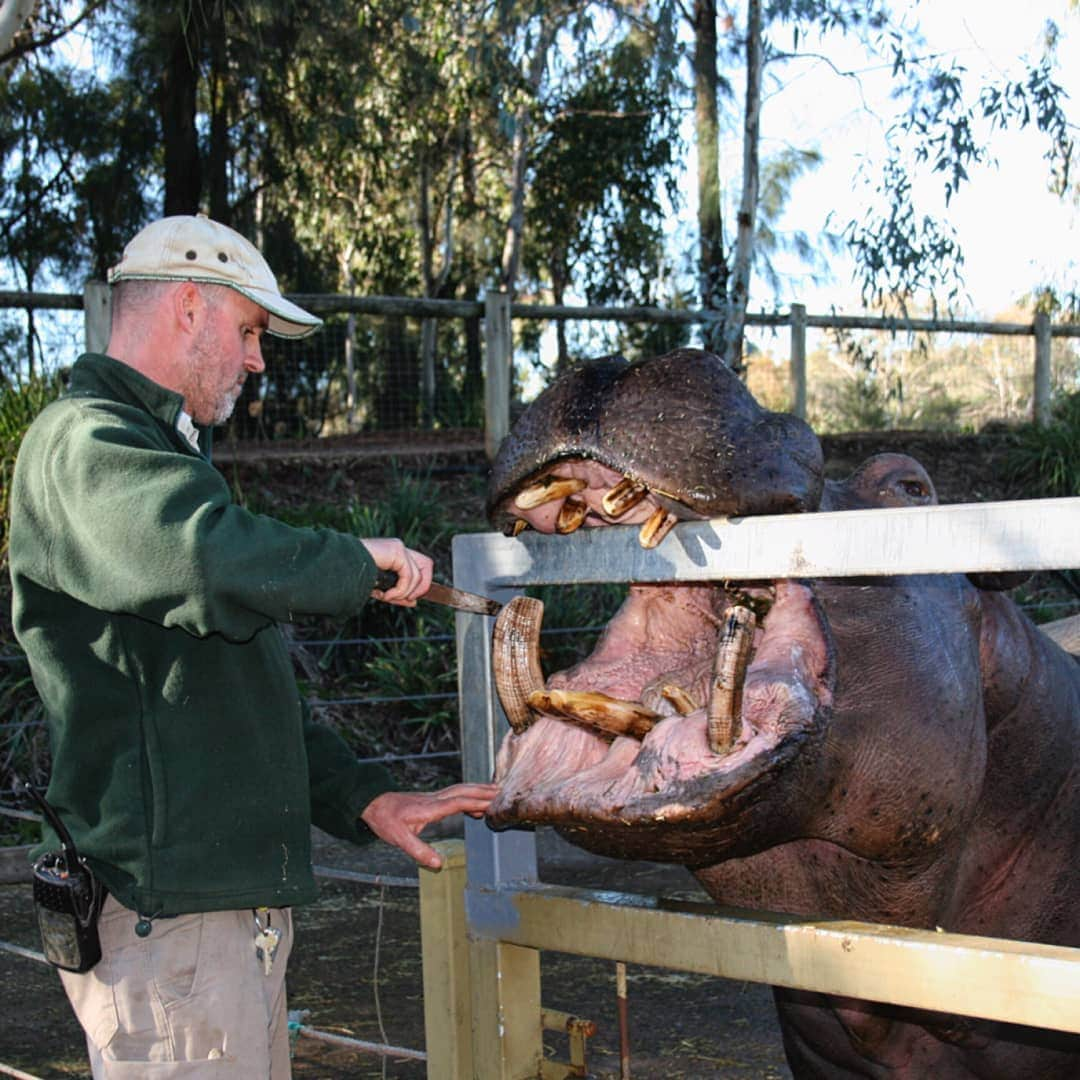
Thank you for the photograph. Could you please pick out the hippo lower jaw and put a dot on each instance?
(662, 743)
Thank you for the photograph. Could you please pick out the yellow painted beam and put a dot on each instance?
(445, 961)
(1011, 981)
(507, 1036)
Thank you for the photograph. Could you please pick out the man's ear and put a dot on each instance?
(187, 306)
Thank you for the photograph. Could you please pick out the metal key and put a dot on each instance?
(267, 940)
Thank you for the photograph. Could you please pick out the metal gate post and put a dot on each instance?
(505, 979)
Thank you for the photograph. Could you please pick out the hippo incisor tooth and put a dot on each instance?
(597, 712)
(683, 702)
(659, 524)
(547, 489)
(724, 717)
(515, 656)
(516, 527)
(571, 514)
(624, 496)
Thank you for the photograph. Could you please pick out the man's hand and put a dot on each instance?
(398, 817)
(413, 569)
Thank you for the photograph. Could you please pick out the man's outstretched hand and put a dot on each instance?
(398, 817)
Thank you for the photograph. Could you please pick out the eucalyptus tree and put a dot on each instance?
(75, 156)
(601, 168)
(29, 26)
(897, 250)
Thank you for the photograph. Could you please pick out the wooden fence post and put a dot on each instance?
(798, 360)
(97, 313)
(447, 991)
(1040, 398)
(498, 370)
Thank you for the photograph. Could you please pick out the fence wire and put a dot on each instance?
(386, 364)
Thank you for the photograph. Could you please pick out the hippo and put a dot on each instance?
(899, 750)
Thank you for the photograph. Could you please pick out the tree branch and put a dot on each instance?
(14, 52)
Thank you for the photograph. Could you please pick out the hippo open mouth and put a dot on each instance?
(658, 745)
(896, 749)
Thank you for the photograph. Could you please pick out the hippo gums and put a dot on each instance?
(898, 750)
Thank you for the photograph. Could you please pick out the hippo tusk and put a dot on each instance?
(684, 704)
(515, 657)
(725, 700)
(548, 489)
(624, 496)
(659, 524)
(517, 528)
(571, 515)
(597, 712)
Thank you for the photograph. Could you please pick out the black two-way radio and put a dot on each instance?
(67, 897)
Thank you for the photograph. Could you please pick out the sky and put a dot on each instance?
(1013, 232)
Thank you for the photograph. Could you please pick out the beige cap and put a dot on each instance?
(197, 249)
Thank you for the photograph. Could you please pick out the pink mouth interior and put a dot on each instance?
(667, 634)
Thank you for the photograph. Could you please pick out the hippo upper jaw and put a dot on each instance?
(666, 794)
(679, 433)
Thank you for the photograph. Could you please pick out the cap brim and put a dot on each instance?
(287, 319)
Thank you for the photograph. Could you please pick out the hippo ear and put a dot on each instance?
(999, 582)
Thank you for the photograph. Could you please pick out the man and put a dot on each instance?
(148, 604)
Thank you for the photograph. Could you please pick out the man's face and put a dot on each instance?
(225, 348)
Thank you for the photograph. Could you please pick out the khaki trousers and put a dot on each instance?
(189, 1001)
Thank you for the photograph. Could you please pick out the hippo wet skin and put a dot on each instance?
(898, 750)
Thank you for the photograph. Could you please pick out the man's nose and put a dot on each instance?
(253, 361)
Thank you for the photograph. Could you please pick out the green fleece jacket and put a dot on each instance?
(148, 604)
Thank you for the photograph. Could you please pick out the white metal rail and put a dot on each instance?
(510, 914)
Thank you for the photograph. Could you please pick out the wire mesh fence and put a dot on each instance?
(383, 364)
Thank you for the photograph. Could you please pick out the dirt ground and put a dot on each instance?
(356, 971)
(357, 966)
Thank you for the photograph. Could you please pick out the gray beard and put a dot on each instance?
(225, 406)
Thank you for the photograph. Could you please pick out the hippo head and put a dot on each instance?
(896, 749)
(700, 728)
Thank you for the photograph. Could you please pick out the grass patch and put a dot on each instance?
(1046, 461)
(19, 404)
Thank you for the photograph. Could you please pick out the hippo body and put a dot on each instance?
(905, 749)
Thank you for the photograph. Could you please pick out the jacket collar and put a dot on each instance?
(98, 375)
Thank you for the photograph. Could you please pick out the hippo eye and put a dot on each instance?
(915, 488)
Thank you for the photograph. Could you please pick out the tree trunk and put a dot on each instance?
(427, 267)
(433, 282)
(13, 17)
(511, 255)
(744, 248)
(220, 93)
(176, 107)
(712, 267)
(558, 292)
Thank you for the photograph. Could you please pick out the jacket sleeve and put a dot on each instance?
(124, 525)
(341, 787)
